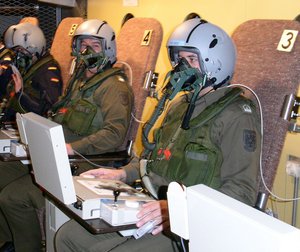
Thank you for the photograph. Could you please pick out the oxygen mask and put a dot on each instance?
(92, 59)
(183, 77)
(23, 59)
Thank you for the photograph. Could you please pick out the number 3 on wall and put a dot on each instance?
(287, 40)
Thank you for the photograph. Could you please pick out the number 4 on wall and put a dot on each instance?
(146, 38)
(287, 40)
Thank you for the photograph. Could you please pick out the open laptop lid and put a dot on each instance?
(49, 156)
(21, 129)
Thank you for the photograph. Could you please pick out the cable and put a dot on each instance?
(182, 244)
(130, 83)
(262, 132)
(17, 72)
(90, 162)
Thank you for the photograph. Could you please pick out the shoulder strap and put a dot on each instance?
(93, 81)
(216, 108)
(5, 52)
(36, 66)
(99, 78)
(209, 113)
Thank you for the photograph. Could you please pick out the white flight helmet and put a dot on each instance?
(97, 29)
(215, 49)
(26, 36)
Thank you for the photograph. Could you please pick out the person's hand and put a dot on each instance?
(157, 211)
(103, 173)
(18, 81)
(70, 150)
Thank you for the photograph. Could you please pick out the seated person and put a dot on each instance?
(36, 77)
(210, 135)
(95, 114)
(6, 59)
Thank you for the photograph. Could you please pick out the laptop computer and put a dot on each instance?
(7, 136)
(88, 197)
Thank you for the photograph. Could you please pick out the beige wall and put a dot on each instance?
(228, 15)
(225, 13)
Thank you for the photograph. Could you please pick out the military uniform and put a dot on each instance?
(112, 104)
(20, 197)
(235, 131)
(15, 178)
(42, 86)
(6, 57)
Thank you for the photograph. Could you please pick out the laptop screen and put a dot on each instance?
(49, 158)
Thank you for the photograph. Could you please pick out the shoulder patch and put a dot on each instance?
(54, 80)
(7, 58)
(120, 78)
(246, 108)
(249, 138)
(123, 98)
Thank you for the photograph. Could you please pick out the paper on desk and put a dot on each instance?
(104, 187)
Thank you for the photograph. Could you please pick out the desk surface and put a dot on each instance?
(7, 157)
(94, 226)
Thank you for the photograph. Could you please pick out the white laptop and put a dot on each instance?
(51, 166)
(213, 221)
(7, 136)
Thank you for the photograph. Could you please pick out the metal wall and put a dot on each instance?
(12, 11)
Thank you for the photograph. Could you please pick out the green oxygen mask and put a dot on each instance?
(182, 78)
(91, 59)
(22, 60)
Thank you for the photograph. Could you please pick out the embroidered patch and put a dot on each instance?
(249, 140)
(121, 79)
(247, 108)
(123, 98)
(54, 80)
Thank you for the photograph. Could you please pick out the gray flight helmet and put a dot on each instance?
(97, 29)
(215, 49)
(27, 36)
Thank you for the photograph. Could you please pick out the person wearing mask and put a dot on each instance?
(35, 82)
(95, 113)
(210, 135)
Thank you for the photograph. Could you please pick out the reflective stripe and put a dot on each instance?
(54, 79)
(52, 68)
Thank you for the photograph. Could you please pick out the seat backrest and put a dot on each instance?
(32, 20)
(61, 45)
(138, 45)
(272, 74)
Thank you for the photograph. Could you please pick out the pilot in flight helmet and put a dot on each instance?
(26, 36)
(28, 43)
(95, 28)
(215, 49)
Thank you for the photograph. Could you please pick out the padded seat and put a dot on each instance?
(272, 74)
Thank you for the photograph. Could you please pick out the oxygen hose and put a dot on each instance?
(182, 78)
(148, 126)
